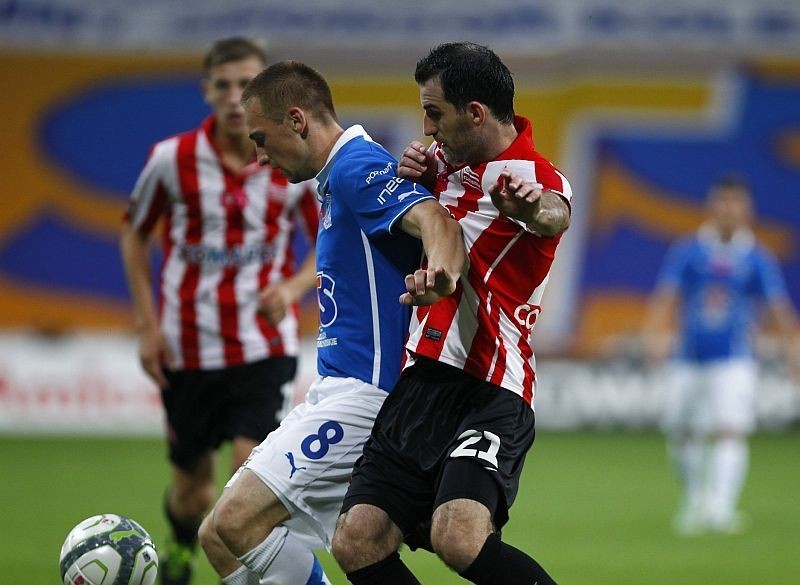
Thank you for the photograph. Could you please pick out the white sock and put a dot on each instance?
(241, 576)
(283, 559)
(729, 459)
(690, 458)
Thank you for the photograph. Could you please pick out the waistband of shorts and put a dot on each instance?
(434, 370)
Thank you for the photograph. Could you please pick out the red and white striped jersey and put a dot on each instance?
(226, 235)
(485, 326)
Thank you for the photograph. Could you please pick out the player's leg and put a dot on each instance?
(365, 546)
(684, 422)
(191, 401)
(478, 484)
(733, 394)
(293, 484)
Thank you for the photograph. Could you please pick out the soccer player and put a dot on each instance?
(223, 343)
(442, 466)
(712, 285)
(284, 502)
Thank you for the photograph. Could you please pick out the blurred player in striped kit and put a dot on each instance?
(222, 340)
(713, 285)
(442, 467)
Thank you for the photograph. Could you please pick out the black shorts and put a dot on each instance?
(206, 407)
(442, 435)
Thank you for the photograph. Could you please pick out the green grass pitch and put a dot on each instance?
(594, 508)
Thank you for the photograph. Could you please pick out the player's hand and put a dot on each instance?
(417, 164)
(274, 302)
(512, 195)
(426, 286)
(154, 353)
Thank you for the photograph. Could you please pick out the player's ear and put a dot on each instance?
(297, 120)
(477, 113)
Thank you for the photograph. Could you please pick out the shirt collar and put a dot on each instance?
(348, 135)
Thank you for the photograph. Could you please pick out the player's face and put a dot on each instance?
(730, 208)
(277, 143)
(454, 130)
(223, 90)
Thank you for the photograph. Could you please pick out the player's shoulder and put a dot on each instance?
(364, 161)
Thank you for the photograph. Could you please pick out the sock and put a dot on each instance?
(499, 563)
(690, 459)
(241, 576)
(185, 532)
(729, 459)
(283, 559)
(389, 571)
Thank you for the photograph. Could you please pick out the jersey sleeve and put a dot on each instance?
(671, 274)
(149, 197)
(376, 195)
(769, 282)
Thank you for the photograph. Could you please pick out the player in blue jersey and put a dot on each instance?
(712, 286)
(283, 503)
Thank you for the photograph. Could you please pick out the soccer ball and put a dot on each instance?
(108, 549)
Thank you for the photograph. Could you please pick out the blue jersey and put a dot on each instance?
(363, 257)
(721, 286)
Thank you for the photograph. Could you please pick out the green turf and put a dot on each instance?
(593, 509)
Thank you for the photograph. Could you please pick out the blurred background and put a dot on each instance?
(642, 104)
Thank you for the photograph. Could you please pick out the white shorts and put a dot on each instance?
(308, 459)
(706, 398)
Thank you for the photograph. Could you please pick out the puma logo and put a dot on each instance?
(290, 457)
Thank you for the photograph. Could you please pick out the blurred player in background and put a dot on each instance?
(443, 463)
(711, 286)
(284, 502)
(223, 343)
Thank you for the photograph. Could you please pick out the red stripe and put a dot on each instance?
(309, 213)
(187, 177)
(437, 326)
(234, 199)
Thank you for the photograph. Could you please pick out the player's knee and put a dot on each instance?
(228, 524)
(207, 534)
(363, 536)
(458, 538)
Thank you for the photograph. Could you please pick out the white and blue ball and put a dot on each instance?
(108, 549)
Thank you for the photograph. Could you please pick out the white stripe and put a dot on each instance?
(373, 299)
(501, 255)
(211, 184)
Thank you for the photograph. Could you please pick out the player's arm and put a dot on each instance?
(658, 329)
(545, 212)
(275, 299)
(444, 248)
(153, 349)
(785, 319)
(417, 165)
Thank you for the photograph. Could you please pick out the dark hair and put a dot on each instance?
(233, 49)
(732, 180)
(470, 72)
(290, 83)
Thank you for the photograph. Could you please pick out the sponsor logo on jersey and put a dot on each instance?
(389, 189)
(387, 169)
(412, 192)
(325, 211)
(237, 255)
(526, 315)
(433, 334)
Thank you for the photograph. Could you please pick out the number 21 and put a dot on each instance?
(470, 438)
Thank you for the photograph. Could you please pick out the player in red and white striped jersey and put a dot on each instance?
(222, 343)
(443, 463)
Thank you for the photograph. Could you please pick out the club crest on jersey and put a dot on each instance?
(470, 178)
(325, 211)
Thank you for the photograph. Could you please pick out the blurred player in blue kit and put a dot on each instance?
(712, 284)
(284, 501)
